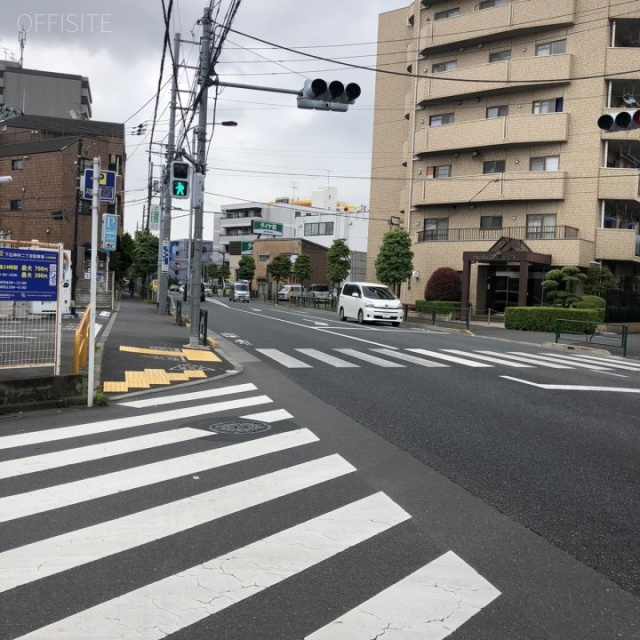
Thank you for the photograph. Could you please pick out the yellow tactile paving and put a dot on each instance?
(136, 379)
(115, 387)
(193, 355)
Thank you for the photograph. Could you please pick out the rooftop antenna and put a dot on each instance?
(22, 39)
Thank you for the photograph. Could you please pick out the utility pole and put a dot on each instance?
(198, 178)
(165, 211)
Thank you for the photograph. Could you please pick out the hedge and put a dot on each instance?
(544, 318)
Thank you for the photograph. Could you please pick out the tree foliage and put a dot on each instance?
(394, 263)
(444, 284)
(599, 280)
(145, 258)
(123, 257)
(246, 268)
(302, 269)
(560, 285)
(338, 261)
(280, 268)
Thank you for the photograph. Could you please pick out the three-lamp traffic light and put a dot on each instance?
(316, 94)
(180, 179)
(621, 121)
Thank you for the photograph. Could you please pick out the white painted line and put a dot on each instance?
(328, 358)
(409, 358)
(529, 359)
(430, 604)
(48, 557)
(560, 359)
(189, 397)
(284, 359)
(506, 363)
(164, 607)
(571, 387)
(48, 498)
(615, 364)
(367, 357)
(444, 356)
(269, 416)
(45, 461)
(89, 428)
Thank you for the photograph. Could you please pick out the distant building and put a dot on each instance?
(179, 262)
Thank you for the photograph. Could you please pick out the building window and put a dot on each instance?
(491, 222)
(551, 48)
(440, 119)
(439, 67)
(498, 56)
(541, 225)
(16, 165)
(263, 258)
(554, 105)
(442, 171)
(493, 166)
(498, 112)
(448, 13)
(489, 4)
(15, 205)
(436, 229)
(544, 163)
(318, 229)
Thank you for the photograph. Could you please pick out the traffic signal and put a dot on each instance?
(180, 180)
(316, 94)
(622, 121)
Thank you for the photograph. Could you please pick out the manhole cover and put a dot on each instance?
(239, 426)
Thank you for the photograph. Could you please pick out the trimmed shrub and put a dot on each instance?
(590, 302)
(544, 318)
(444, 284)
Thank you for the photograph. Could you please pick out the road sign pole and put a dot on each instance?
(95, 211)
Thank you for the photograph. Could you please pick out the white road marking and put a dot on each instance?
(430, 604)
(164, 607)
(570, 387)
(490, 359)
(407, 357)
(48, 498)
(60, 553)
(328, 358)
(269, 416)
(443, 356)
(577, 365)
(284, 359)
(529, 358)
(189, 397)
(367, 357)
(616, 364)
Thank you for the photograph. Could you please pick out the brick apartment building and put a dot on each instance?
(492, 107)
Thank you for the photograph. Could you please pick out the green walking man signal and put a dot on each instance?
(180, 180)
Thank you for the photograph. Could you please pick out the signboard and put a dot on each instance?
(28, 274)
(264, 228)
(107, 185)
(165, 257)
(246, 248)
(154, 218)
(109, 231)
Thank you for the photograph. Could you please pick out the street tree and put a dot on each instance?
(302, 269)
(145, 258)
(394, 264)
(599, 280)
(246, 268)
(123, 257)
(560, 285)
(280, 269)
(338, 261)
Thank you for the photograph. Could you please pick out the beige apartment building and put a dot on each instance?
(486, 147)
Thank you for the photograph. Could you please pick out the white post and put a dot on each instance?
(95, 210)
(59, 290)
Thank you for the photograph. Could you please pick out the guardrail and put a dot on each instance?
(594, 333)
(439, 315)
(81, 343)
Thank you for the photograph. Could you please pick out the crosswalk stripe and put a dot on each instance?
(593, 367)
(45, 461)
(407, 357)
(430, 604)
(367, 357)
(490, 359)
(269, 416)
(531, 359)
(115, 424)
(55, 497)
(60, 553)
(444, 356)
(615, 364)
(327, 358)
(188, 397)
(196, 593)
(284, 359)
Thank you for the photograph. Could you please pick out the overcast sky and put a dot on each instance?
(276, 149)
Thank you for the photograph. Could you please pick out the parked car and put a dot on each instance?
(318, 292)
(239, 291)
(289, 291)
(174, 288)
(208, 291)
(369, 302)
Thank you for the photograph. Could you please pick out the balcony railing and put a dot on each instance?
(560, 232)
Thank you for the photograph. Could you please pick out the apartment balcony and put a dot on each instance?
(512, 130)
(495, 77)
(619, 60)
(514, 18)
(490, 187)
(619, 184)
(617, 244)
(559, 232)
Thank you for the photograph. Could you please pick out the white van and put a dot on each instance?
(239, 291)
(289, 291)
(369, 302)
